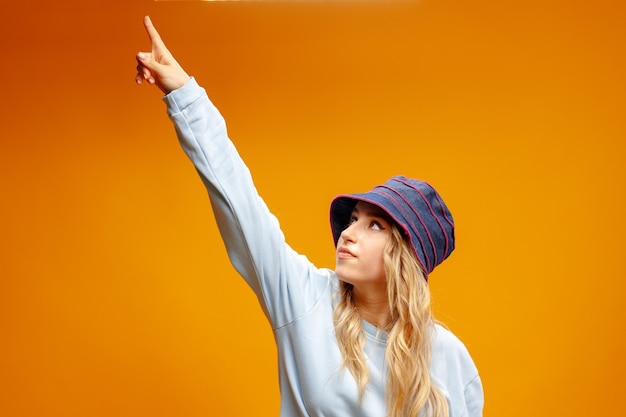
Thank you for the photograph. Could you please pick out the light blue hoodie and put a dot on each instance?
(296, 296)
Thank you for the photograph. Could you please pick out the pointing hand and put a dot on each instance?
(159, 66)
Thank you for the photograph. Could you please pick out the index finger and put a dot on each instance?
(154, 36)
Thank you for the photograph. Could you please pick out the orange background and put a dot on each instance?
(116, 297)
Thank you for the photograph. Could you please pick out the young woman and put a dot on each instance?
(356, 341)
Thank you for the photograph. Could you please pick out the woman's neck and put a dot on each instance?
(373, 308)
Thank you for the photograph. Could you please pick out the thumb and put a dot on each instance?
(147, 68)
(145, 59)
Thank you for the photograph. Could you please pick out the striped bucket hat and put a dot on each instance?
(415, 206)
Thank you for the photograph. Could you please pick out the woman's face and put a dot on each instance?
(361, 246)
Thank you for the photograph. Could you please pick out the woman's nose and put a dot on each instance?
(349, 233)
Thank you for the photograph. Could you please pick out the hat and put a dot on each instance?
(415, 206)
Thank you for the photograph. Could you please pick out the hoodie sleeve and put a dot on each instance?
(286, 283)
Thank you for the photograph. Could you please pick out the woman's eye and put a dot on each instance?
(353, 219)
(376, 226)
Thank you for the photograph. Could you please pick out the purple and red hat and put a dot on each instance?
(415, 206)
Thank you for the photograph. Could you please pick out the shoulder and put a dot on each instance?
(446, 340)
(451, 358)
(454, 372)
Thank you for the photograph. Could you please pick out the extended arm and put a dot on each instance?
(281, 279)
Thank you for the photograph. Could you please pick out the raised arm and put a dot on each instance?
(158, 67)
(286, 283)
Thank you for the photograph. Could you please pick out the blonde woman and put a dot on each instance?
(356, 341)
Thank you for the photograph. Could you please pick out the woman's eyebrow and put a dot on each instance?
(374, 212)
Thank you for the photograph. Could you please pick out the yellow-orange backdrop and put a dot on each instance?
(116, 298)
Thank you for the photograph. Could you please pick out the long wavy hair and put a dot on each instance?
(410, 389)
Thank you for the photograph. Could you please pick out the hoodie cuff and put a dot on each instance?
(177, 100)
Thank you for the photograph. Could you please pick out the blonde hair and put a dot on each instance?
(408, 353)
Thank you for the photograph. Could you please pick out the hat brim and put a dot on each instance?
(342, 206)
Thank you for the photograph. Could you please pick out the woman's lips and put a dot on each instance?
(344, 253)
